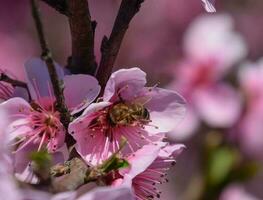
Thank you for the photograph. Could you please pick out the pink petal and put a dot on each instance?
(85, 144)
(171, 150)
(21, 158)
(129, 81)
(29, 194)
(65, 196)
(38, 78)
(142, 159)
(236, 192)
(219, 106)
(80, 90)
(21, 92)
(187, 127)
(251, 129)
(167, 109)
(57, 141)
(110, 193)
(209, 5)
(15, 106)
(61, 155)
(214, 38)
(250, 77)
(77, 123)
(27, 176)
(8, 185)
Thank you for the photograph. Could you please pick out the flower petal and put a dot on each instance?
(187, 127)
(21, 92)
(171, 150)
(38, 78)
(209, 5)
(219, 106)
(250, 131)
(166, 108)
(15, 106)
(250, 78)
(111, 193)
(222, 45)
(128, 81)
(236, 192)
(80, 90)
(142, 159)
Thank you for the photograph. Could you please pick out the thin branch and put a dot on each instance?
(110, 46)
(77, 170)
(59, 5)
(56, 83)
(13, 82)
(82, 33)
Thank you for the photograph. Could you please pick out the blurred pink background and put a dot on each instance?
(213, 60)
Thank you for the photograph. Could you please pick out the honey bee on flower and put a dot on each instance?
(130, 110)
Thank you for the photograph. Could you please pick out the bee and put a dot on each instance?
(122, 114)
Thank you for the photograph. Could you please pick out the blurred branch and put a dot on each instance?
(111, 46)
(59, 5)
(13, 82)
(77, 170)
(56, 83)
(82, 33)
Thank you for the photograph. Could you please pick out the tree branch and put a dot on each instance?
(82, 33)
(110, 47)
(13, 82)
(59, 5)
(56, 83)
(77, 170)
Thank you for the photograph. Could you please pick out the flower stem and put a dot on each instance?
(56, 83)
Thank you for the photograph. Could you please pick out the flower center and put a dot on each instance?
(47, 121)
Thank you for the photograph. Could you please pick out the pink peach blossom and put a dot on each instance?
(199, 77)
(39, 121)
(36, 125)
(101, 127)
(148, 168)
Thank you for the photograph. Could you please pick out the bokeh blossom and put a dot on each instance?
(200, 75)
(129, 110)
(236, 192)
(249, 130)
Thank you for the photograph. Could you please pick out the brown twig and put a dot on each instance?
(110, 46)
(77, 170)
(82, 33)
(59, 5)
(13, 82)
(56, 83)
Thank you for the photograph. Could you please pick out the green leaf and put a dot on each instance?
(115, 164)
(221, 162)
(41, 158)
(246, 171)
(41, 163)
